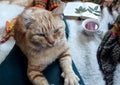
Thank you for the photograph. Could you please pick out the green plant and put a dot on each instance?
(90, 9)
(80, 10)
(94, 10)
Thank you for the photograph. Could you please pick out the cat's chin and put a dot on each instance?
(48, 46)
(51, 45)
(39, 47)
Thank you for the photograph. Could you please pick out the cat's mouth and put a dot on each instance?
(51, 45)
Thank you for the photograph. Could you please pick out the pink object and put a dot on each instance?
(91, 26)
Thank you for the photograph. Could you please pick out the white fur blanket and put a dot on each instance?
(83, 48)
(7, 13)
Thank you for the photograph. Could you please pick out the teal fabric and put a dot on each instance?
(67, 28)
(13, 71)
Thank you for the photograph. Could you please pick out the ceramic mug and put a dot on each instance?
(91, 26)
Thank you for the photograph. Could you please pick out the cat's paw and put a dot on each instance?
(70, 78)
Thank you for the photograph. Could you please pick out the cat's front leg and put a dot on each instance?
(36, 76)
(70, 78)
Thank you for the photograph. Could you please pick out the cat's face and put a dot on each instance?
(43, 29)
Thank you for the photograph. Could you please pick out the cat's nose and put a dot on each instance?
(52, 42)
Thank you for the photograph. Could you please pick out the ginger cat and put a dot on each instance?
(40, 34)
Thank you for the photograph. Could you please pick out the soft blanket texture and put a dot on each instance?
(83, 48)
(7, 13)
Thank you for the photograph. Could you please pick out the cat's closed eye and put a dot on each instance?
(56, 30)
(41, 34)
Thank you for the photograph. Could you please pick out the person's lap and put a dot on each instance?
(13, 71)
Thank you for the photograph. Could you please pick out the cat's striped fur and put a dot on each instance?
(41, 36)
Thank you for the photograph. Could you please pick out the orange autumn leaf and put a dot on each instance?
(10, 25)
(9, 30)
(7, 26)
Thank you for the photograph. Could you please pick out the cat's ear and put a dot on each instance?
(19, 26)
(27, 20)
(59, 10)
